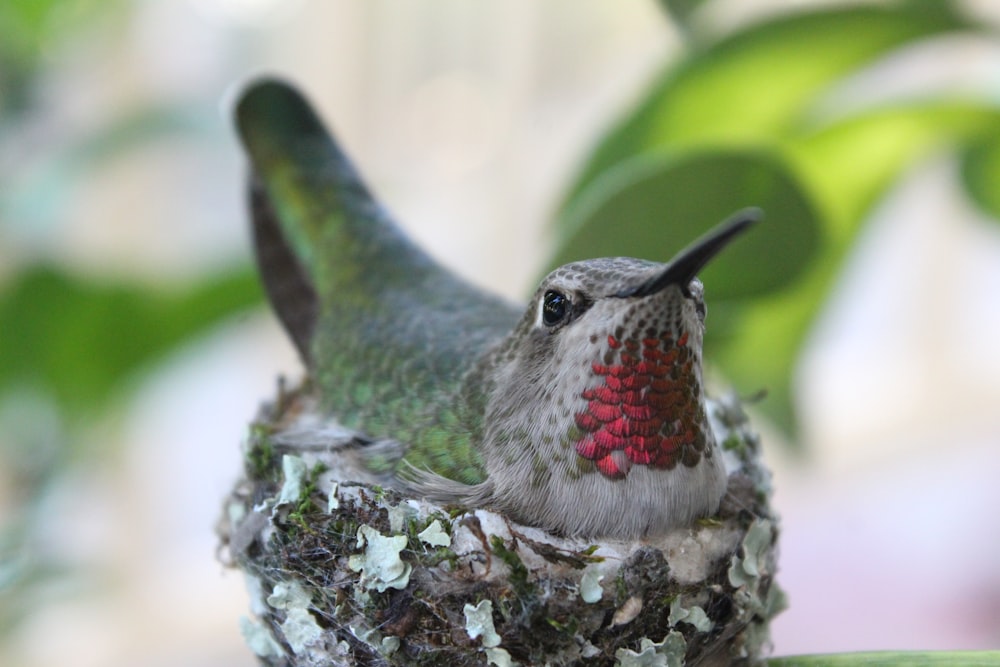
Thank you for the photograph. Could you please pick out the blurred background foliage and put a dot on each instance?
(73, 341)
(29, 28)
(741, 117)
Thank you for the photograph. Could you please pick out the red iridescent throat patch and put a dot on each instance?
(647, 409)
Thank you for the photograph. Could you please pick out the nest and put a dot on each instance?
(341, 571)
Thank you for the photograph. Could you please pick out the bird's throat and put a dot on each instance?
(645, 406)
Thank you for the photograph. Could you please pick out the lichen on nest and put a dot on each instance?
(343, 572)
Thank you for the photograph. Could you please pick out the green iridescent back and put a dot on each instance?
(393, 341)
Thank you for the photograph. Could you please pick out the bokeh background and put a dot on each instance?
(134, 348)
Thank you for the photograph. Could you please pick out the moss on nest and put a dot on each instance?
(345, 572)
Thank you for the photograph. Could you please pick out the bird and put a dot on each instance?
(582, 413)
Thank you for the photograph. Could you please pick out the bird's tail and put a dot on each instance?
(316, 224)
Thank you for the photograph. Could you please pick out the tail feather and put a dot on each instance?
(329, 251)
(317, 197)
(287, 284)
(317, 227)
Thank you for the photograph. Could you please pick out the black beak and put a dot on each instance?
(682, 269)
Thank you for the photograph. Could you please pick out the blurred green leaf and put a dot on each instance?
(653, 207)
(891, 659)
(79, 339)
(846, 167)
(32, 28)
(760, 83)
(848, 164)
(981, 174)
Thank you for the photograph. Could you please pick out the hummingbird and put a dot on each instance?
(582, 414)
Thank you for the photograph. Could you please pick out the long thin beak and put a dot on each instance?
(682, 269)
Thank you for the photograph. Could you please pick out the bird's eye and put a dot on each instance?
(699, 307)
(555, 308)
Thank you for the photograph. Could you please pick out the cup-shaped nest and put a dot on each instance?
(341, 571)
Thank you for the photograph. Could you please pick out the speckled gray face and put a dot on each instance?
(635, 393)
(602, 390)
(596, 421)
(603, 277)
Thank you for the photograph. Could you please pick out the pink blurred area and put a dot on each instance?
(469, 119)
